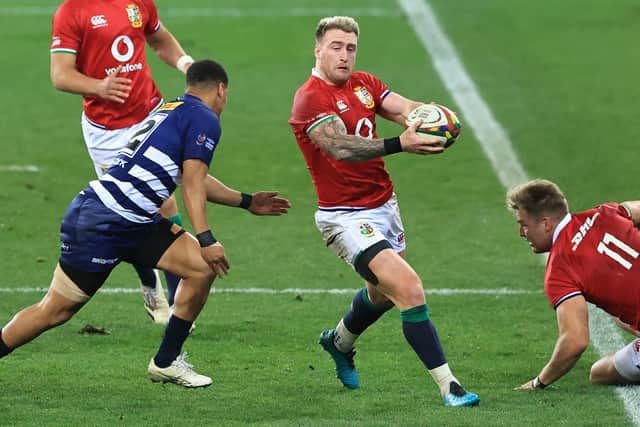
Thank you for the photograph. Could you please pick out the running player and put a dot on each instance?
(334, 122)
(116, 219)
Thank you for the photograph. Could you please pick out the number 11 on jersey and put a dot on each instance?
(603, 248)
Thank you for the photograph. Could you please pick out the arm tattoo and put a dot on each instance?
(332, 138)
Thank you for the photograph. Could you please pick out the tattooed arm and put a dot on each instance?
(332, 138)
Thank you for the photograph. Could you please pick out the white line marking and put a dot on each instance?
(498, 148)
(19, 168)
(444, 291)
(228, 12)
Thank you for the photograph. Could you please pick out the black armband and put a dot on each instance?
(206, 238)
(246, 201)
(392, 145)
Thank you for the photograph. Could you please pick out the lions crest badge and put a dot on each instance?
(364, 96)
(133, 13)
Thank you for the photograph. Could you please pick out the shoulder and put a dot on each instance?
(615, 209)
(314, 92)
(363, 76)
(70, 8)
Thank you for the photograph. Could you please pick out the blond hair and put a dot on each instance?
(344, 23)
(538, 197)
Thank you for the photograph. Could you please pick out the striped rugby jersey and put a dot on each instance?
(149, 168)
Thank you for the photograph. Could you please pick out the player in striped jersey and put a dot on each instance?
(116, 219)
(593, 256)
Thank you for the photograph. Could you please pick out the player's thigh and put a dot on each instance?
(397, 279)
(102, 144)
(183, 258)
(626, 363)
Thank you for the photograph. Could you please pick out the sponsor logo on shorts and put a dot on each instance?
(55, 41)
(366, 230)
(64, 246)
(104, 261)
(400, 237)
(201, 139)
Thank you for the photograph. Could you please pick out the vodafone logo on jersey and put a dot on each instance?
(99, 21)
(122, 50)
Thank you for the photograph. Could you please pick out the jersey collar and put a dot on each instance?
(561, 225)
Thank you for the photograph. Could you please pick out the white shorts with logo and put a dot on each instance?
(349, 233)
(627, 361)
(105, 144)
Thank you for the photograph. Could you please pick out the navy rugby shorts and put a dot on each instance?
(95, 239)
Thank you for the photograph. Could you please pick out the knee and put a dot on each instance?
(55, 316)
(415, 294)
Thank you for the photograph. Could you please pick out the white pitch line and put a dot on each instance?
(497, 146)
(340, 291)
(19, 168)
(228, 12)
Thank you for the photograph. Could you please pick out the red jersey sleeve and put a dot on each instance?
(152, 20)
(558, 284)
(311, 108)
(66, 33)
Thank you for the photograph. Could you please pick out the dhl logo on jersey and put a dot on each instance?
(364, 96)
(133, 13)
(170, 106)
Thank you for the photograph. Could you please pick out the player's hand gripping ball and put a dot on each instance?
(437, 120)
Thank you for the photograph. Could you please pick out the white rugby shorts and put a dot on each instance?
(103, 144)
(627, 361)
(349, 233)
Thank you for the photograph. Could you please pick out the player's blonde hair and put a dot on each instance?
(344, 23)
(538, 197)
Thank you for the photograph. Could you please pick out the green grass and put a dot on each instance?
(561, 79)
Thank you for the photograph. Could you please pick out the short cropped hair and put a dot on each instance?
(206, 71)
(344, 23)
(538, 198)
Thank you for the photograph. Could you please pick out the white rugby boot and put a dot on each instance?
(155, 303)
(179, 372)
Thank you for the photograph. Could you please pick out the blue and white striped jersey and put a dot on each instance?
(149, 169)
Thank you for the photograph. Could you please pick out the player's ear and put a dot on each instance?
(549, 224)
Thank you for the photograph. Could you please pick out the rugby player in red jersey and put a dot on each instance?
(334, 122)
(593, 257)
(98, 51)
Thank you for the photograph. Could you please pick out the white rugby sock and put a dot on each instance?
(442, 376)
(344, 338)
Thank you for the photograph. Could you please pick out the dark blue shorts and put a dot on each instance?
(95, 239)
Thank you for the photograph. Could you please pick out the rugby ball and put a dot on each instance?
(437, 120)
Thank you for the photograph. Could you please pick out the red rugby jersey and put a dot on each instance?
(342, 184)
(595, 254)
(102, 35)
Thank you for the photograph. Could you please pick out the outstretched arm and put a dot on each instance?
(258, 203)
(573, 339)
